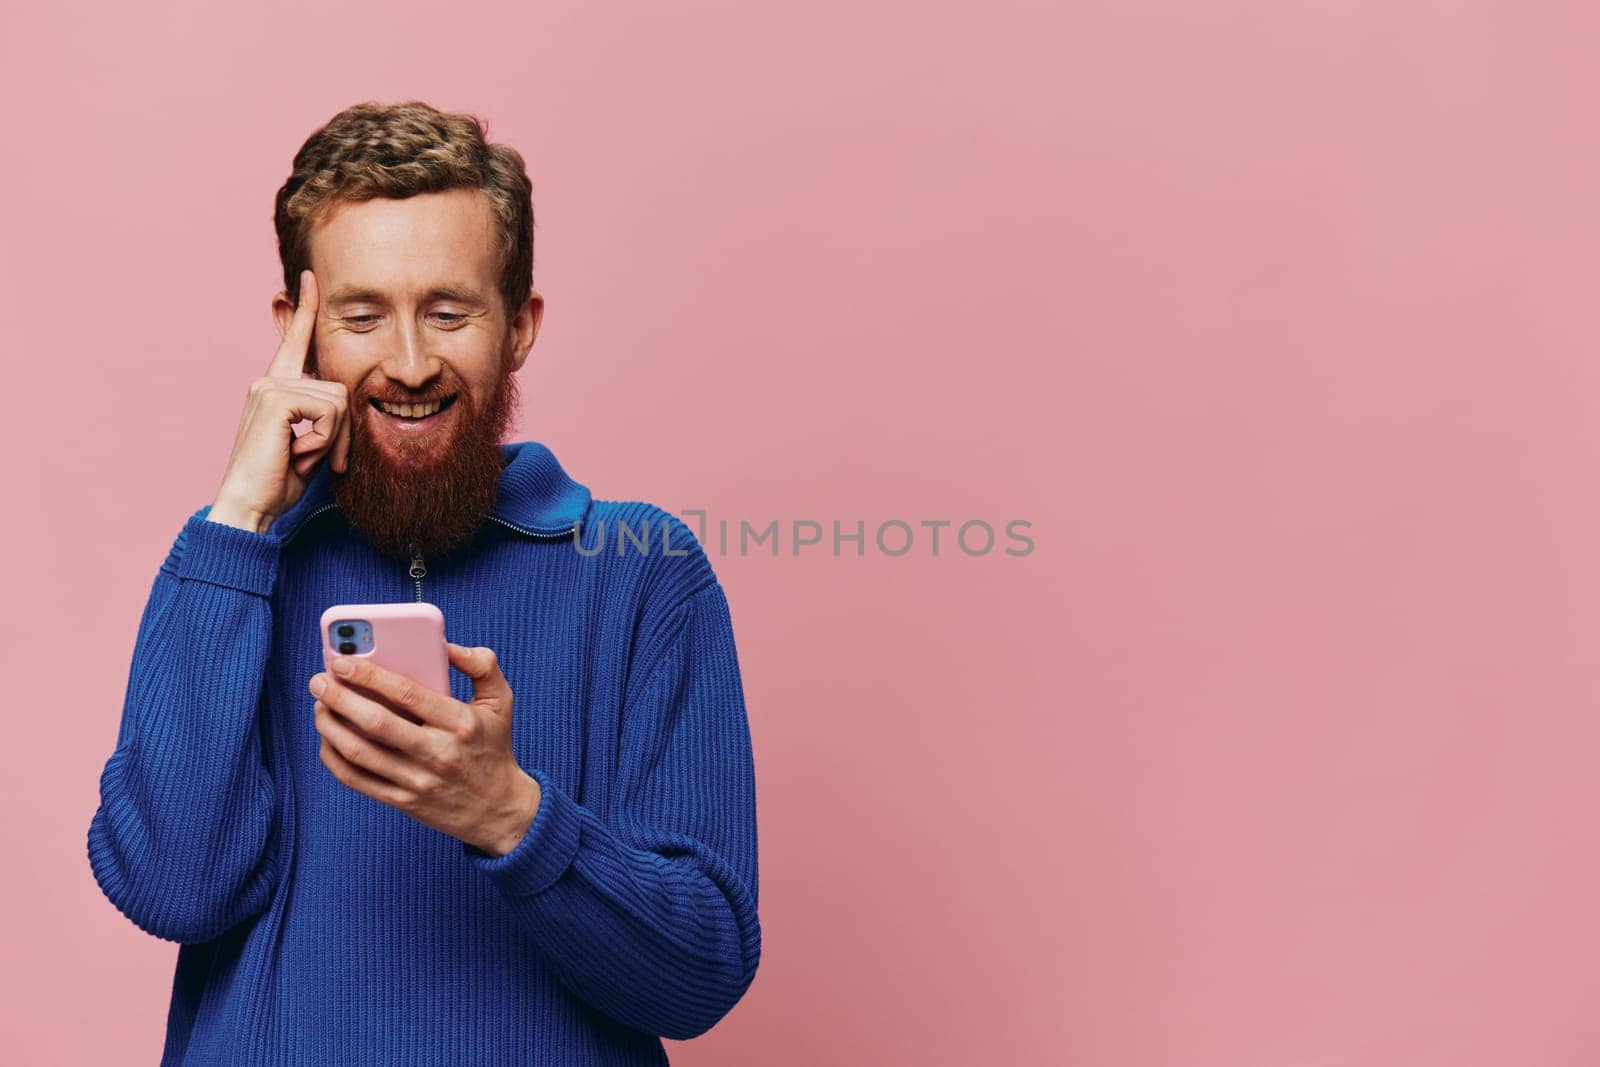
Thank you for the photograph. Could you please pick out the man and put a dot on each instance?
(363, 871)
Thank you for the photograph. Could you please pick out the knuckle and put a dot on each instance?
(407, 693)
(370, 723)
(447, 760)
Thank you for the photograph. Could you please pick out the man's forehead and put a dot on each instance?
(405, 248)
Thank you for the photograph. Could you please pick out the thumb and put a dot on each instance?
(483, 667)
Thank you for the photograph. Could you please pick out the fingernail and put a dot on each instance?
(342, 664)
(318, 684)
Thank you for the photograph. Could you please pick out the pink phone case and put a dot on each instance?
(407, 638)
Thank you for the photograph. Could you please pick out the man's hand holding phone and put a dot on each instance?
(446, 763)
(270, 467)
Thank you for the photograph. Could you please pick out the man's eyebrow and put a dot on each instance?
(350, 294)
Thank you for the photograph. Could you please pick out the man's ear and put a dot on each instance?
(282, 312)
(524, 327)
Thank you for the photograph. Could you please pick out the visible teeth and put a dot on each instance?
(411, 411)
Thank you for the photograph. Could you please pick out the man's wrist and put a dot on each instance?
(230, 514)
(524, 811)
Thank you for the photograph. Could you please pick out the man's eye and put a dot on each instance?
(449, 318)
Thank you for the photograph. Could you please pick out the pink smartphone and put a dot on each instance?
(406, 637)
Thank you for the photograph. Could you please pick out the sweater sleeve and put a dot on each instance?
(651, 917)
(181, 840)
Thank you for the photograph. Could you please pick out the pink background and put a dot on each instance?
(1275, 320)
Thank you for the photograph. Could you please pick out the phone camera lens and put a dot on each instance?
(346, 630)
(347, 647)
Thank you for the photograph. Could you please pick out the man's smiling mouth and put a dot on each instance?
(413, 411)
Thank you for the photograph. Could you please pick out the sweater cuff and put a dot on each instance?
(545, 851)
(229, 556)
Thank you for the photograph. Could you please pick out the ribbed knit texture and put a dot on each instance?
(320, 927)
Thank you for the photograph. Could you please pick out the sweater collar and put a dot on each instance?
(536, 495)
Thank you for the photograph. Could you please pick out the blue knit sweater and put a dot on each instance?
(321, 927)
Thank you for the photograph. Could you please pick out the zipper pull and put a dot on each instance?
(418, 570)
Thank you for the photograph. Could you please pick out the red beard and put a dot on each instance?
(426, 496)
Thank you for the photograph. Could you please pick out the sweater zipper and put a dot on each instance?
(543, 535)
(307, 519)
(419, 567)
(418, 570)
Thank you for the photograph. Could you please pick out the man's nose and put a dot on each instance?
(410, 362)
